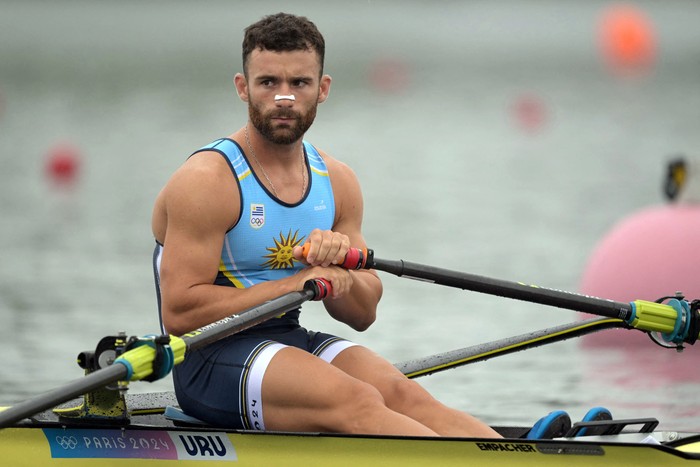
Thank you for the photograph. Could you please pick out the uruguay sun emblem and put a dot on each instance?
(280, 256)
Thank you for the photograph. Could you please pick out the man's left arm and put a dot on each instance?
(358, 307)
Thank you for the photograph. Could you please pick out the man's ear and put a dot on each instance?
(241, 86)
(324, 88)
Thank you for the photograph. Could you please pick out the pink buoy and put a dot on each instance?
(389, 75)
(650, 254)
(529, 112)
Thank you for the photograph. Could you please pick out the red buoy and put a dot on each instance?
(63, 164)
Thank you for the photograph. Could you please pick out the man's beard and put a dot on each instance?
(281, 135)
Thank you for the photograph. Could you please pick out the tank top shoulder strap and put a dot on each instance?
(232, 152)
(316, 162)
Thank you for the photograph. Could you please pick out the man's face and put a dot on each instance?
(283, 73)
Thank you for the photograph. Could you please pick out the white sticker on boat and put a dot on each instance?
(139, 444)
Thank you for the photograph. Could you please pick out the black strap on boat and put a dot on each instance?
(612, 427)
(694, 330)
(164, 359)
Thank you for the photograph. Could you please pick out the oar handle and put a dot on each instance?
(355, 258)
(319, 288)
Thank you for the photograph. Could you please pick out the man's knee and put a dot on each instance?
(401, 393)
(358, 405)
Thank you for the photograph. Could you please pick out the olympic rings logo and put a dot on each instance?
(257, 221)
(67, 442)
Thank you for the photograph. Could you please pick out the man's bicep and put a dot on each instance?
(191, 256)
(196, 223)
(349, 206)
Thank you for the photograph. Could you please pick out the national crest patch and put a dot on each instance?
(257, 215)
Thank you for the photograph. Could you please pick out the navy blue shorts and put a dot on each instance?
(221, 383)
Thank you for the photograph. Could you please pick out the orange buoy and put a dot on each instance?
(627, 40)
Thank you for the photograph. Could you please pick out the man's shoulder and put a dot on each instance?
(206, 167)
(341, 174)
(329, 160)
(197, 187)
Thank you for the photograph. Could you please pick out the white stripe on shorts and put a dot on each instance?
(254, 389)
(332, 351)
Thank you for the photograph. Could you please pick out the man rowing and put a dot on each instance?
(229, 227)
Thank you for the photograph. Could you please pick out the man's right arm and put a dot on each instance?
(190, 220)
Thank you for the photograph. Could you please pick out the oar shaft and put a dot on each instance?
(677, 320)
(65, 393)
(364, 258)
(237, 323)
(476, 353)
(138, 362)
(515, 290)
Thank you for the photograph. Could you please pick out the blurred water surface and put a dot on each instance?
(426, 106)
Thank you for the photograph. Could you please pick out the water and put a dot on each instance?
(450, 177)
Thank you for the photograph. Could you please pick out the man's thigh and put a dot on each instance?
(302, 392)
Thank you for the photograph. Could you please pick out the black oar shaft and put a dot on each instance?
(316, 289)
(75, 388)
(515, 290)
(237, 323)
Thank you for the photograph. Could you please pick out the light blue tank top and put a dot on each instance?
(259, 247)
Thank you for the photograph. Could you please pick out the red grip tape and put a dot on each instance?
(352, 259)
(355, 258)
(323, 288)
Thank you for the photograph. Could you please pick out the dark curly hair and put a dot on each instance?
(283, 32)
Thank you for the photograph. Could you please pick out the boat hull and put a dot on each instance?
(30, 445)
(146, 437)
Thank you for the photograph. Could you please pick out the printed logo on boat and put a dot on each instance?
(510, 447)
(146, 444)
(257, 215)
(203, 446)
